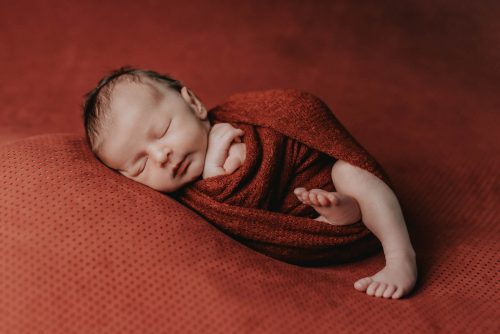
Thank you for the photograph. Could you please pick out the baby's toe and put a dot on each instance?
(299, 191)
(313, 197)
(318, 197)
(398, 293)
(323, 200)
(362, 284)
(305, 199)
(389, 291)
(334, 200)
(380, 290)
(371, 288)
(302, 194)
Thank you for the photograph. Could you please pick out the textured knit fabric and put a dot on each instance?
(292, 140)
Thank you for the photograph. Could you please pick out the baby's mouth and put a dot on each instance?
(177, 165)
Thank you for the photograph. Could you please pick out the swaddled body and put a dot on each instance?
(256, 203)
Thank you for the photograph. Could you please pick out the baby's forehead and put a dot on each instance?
(143, 88)
(129, 97)
(136, 95)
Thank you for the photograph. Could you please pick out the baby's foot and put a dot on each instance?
(394, 281)
(335, 208)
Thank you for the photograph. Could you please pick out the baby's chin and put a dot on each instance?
(194, 173)
(169, 188)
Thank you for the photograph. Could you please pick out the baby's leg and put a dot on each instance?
(382, 215)
(334, 208)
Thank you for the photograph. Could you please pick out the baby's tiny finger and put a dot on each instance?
(238, 132)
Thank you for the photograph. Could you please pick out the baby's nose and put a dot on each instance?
(162, 154)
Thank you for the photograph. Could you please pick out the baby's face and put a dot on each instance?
(156, 136)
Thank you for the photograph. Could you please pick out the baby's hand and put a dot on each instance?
(220, 138)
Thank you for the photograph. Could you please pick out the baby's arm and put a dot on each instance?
(225, 152)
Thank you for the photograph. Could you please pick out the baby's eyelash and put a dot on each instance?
(143, 167)
(140, 170)
(165, 132)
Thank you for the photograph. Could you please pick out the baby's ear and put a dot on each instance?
(202, 111)
(195, 102)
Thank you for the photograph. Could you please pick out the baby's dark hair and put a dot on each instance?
(96, 104)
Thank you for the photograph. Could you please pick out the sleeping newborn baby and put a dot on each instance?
(153, 130)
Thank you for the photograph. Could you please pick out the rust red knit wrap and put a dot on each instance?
(292, 140)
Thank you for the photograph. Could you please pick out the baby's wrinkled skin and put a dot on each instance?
(163, 139)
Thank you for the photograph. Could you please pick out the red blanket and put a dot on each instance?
(292, 140)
